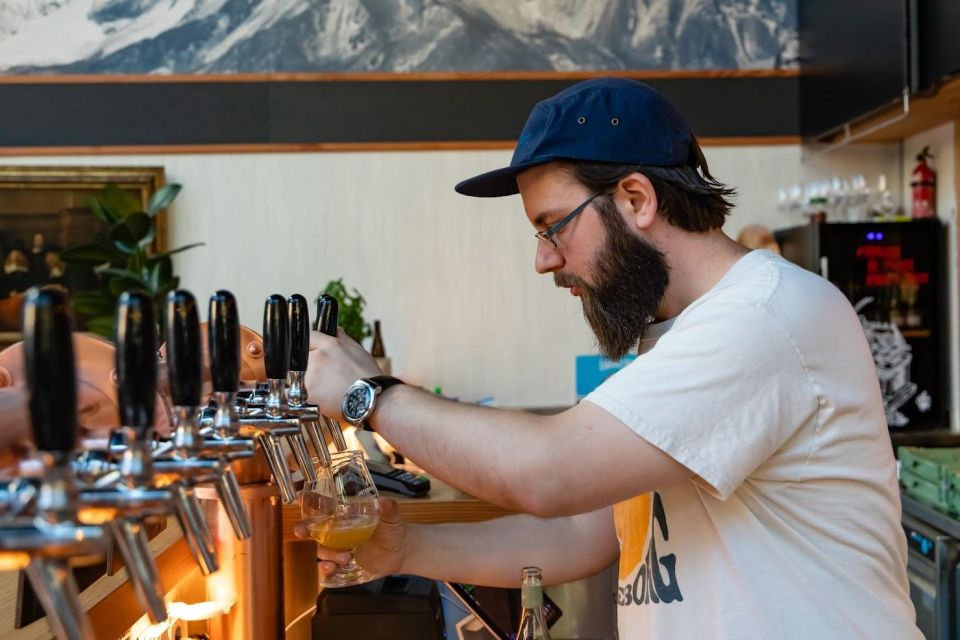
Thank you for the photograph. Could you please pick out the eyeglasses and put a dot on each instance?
(548, 234)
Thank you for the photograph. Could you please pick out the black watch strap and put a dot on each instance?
(384, 382)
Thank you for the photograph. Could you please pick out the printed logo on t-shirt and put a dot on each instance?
(654, 576)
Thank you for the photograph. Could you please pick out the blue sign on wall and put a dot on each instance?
(593, 370)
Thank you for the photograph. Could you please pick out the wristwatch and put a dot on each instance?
(361, 398)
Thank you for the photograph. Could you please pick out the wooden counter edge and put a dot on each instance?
(115, 614)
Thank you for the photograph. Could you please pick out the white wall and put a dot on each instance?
(451, 277)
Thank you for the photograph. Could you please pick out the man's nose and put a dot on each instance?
(548, 258)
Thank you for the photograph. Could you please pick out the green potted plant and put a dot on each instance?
(124, 259)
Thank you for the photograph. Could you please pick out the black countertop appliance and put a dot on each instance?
(894, 274)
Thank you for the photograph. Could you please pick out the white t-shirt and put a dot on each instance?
(765, 388)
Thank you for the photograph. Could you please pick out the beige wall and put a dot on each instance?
(451, 277)
(941, 141)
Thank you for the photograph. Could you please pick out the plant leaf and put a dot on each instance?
(131, 231)
(88, 254)
(92, 303)
(101, 325)
(179, 249)
(160, 273)
(119, 285)
(162, 198)
(147, 239)
(129, 274)
(120, 201)
(100, 212)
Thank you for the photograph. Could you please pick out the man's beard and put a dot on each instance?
(631, 276)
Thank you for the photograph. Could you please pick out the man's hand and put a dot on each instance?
(382, 554)
(335, 363)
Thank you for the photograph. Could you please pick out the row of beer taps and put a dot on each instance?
(84, 502)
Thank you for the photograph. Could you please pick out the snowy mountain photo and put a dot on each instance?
(266, 36)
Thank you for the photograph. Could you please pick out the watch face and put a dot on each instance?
(357, 402)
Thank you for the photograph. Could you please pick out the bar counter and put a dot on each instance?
(116, 607)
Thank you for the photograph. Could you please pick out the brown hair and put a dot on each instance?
(688, 196)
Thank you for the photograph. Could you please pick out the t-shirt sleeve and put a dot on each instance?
(720, 393)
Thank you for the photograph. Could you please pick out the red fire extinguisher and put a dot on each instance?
(923, 182)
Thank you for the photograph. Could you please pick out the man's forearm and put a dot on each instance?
(493, 552)
(489, 453)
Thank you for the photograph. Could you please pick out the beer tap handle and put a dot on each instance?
(136, 360)
(50, 370)
(223, 339)
(183, 348)
(53, 581)
(276, 338)
(299, 332)
(328, 317)
(299, 349)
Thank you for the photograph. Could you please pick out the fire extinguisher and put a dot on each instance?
(923, 182)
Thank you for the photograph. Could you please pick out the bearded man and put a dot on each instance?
(739, 468)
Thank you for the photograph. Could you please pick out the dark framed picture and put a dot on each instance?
(44, 210)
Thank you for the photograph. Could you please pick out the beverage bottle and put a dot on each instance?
(533, 625)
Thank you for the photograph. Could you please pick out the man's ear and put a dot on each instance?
(637, 200)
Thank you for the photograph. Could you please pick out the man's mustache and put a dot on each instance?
(567, 280)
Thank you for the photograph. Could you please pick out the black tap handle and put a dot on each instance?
(136, 339)
(50, 369)
(276, 338)
(299, 332)
(183, 348)
(328, 315)
(223, 340)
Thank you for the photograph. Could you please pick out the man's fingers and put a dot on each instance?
(389, 511)
(326, 568)
(331, 555)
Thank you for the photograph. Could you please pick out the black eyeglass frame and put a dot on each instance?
(547, 234)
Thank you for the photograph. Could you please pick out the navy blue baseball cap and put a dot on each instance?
(615, 120)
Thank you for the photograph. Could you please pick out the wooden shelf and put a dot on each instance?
(926, 112)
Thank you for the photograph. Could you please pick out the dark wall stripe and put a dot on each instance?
(118, 114)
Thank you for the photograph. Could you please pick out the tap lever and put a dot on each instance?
(223, 341)
(336, 433)
(131, 539)
(228, 489)
(277, 461)
(50, 370)
(183, 348)
(136, 360)
(299, 349)
(314, 433)
(196, 533)
(299, 332)
(52, 580)
(328, 315)
(299, 447)
(276, 338)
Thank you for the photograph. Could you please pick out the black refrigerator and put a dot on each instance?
(894, 274)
